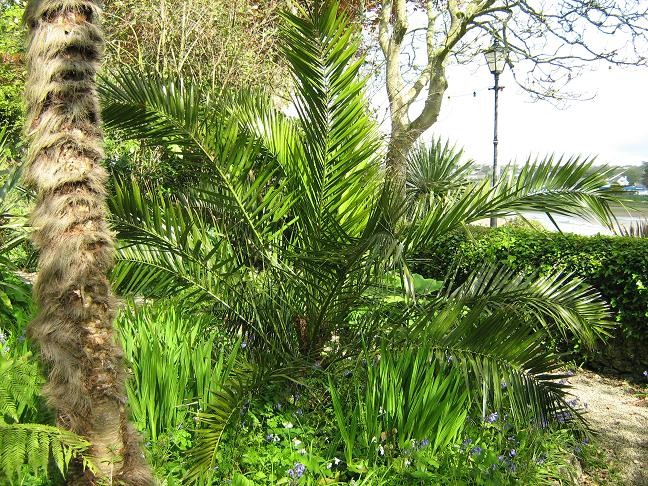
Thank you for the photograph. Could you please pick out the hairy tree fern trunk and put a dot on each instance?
(76, 306)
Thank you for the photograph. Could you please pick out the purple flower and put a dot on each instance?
(492, 418)
(291, 473)
(299, 470)
(573, 403)
(3, 338)
(563, 381)
(503, 385)
(475, 451)
(450, 359)
(512, 453)
(269, 437)
(21, 338)
(467, 441)
(570, 373)
(425, 443)
(501, 458)
(578, 450)
(586, 440)
(6, 349)
(645, 373)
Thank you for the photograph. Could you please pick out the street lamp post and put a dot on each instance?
(496, 58)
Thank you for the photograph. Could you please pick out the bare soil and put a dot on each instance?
(619, 417)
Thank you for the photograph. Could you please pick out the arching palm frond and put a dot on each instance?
(566, 187)
(176, 114)
(505, 362)
(559, 303)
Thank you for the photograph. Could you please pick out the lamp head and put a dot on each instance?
(496, 57)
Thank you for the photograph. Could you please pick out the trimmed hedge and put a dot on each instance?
(616, 266)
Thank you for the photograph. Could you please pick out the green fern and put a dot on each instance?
(33, 445)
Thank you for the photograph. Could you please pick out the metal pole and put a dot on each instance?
(493, 220)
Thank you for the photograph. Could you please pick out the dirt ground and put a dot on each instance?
(620, 417)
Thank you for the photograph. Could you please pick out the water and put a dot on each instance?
(570, 224)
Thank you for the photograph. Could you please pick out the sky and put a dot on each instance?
(612, 126)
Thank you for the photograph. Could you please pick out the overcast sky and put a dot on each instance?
(612, 126)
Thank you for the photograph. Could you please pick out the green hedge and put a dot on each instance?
(616, 266)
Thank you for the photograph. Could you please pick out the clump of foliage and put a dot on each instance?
(12, 72)
(299, 347)
(616, 266)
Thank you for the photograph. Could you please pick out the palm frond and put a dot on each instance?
(338, 168)
(567, 187)
(226, 404)
(558, 302)
(504, 361)
(175, 114)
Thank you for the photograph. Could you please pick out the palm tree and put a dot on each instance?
(296, 234)
(76, 307)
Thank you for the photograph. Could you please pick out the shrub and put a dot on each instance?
(616, 266)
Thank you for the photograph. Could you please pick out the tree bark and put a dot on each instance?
(76, 306)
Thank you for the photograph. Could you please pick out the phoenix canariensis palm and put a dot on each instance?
(76, 307)
(290, 239)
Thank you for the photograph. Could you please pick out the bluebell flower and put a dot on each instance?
(291, 473)
(563, 381)
(586, 440)
(475, 451)
(645, 373)
(570, 373)
(492, 418)
(21, 338)
(425, 443)
(501, 458)
(299, 470)
(6, 349)
(512, 453)
(450, 359)
(3, 338)
(243, 345)
(269, 437)
(578, 450)
(467, 441)
(573, 403)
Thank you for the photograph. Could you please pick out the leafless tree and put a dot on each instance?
(550, 43)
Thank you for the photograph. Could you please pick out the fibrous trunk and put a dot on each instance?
(76, 307)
